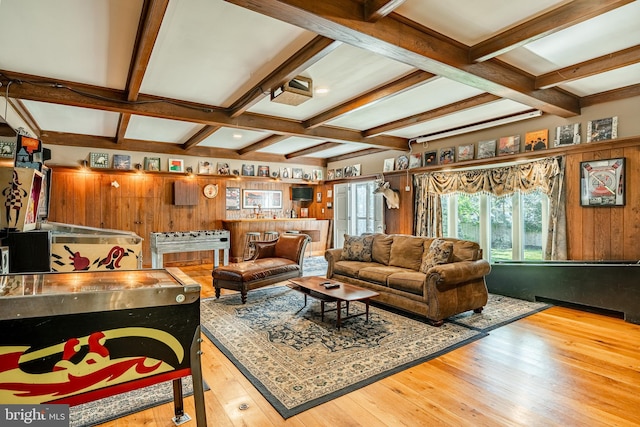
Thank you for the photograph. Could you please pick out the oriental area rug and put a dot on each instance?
(297, 362)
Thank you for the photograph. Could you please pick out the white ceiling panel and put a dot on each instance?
(210, 51)
(459, 19)
(161, 130)
(224, 138)
(62, 118)
(294, 143)
(433, 94)
(346, 72)
(77, 40)
(462, 118)
(345, 148)
(610, 32)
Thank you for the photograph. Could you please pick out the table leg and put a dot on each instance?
(347, 308)
(322, 311)
(339, 321)
(216, 258)
(366, 303)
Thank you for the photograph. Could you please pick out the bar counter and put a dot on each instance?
(318, 230)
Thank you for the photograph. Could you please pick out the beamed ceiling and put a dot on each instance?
(194, 77)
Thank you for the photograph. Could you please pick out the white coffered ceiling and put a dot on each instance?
(194, 76)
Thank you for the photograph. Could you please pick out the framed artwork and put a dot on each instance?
(152, 164)
(233, 198)
(248, 170)
(8, 147)
(388, 165)
(263, 170)
(430, 158)
(223, 168)
(297, 173)
(339, 172)
(402, 162)
(263, 199)
(415, 160)
(99, 160)
(318, 196)
(447, 155)
(275, 174)
(304, 212)
(121, 161)
(176, 165)
(509, 145)
(285, 173)
(602, 182)
(331, 173)
(602, 129)
(567, 135)
(205, 167)
(465, 152)
(538, 140)
(486, 149)
(317, 175)
(353, 170)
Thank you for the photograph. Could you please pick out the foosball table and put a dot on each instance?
(190, 241)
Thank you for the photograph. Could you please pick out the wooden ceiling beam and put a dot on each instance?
(311, 53)
(548, 23)
(123, 124)
(432, 114)
(396, 87)
(203, 134)
(314, 149)
(378, 9)
(106, 99)
(266, 142)
(604, 63)
(401, 40)
(611, 95)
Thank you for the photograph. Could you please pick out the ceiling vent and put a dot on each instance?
(294, 92)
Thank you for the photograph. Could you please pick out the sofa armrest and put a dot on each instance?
(332, 256)
(453, 273)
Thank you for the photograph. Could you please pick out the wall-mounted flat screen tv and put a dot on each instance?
(302, 194)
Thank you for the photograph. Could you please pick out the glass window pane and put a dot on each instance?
(533, 225)
(469, 217)
(444, 203)
(501, 228)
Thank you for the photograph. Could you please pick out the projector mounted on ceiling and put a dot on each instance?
(294, 92)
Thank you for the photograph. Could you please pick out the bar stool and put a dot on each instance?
(249, 249)
(271, 235)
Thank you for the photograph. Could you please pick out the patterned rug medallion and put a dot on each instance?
(297, 362)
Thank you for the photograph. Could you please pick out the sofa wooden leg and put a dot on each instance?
(478, 310)
(436, 323)
(217, 293)
(243, 296)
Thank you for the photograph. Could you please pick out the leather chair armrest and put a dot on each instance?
(460, 272)
(332, 256)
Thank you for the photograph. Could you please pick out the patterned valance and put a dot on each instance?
(499, 181)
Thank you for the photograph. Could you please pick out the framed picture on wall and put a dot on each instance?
(263, 199)
(430, 158)
(602, 129)
(508, 145)
(465, 152)
(152, 164)
(567, 135)
(447, 155)
(176, 165)
(98, 160)
(487, 149)
(602, 182)
(121, 161)
(537, 140)
(233, 198)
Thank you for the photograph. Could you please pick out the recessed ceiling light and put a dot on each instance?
(237, 135)
(322, 90)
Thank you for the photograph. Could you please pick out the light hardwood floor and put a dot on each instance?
(560, 367)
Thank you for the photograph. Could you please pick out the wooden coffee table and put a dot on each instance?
(313, 286)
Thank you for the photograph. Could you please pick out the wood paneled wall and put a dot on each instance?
(143, 203)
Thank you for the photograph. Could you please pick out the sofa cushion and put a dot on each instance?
(357, 248)
(378, 273)
(438, 252)
(407, 281)
(406, 251)
(350, 268)
(465, 250)
(381, 248)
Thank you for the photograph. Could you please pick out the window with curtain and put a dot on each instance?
(497, 207)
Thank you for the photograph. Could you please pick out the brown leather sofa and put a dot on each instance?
(273, 262)
(434, 280)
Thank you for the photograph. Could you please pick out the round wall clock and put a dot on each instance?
(210, 191)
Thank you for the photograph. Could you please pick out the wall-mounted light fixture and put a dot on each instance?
(115, 184)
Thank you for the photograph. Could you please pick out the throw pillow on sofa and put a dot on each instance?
(357, 248)
(439, 252)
